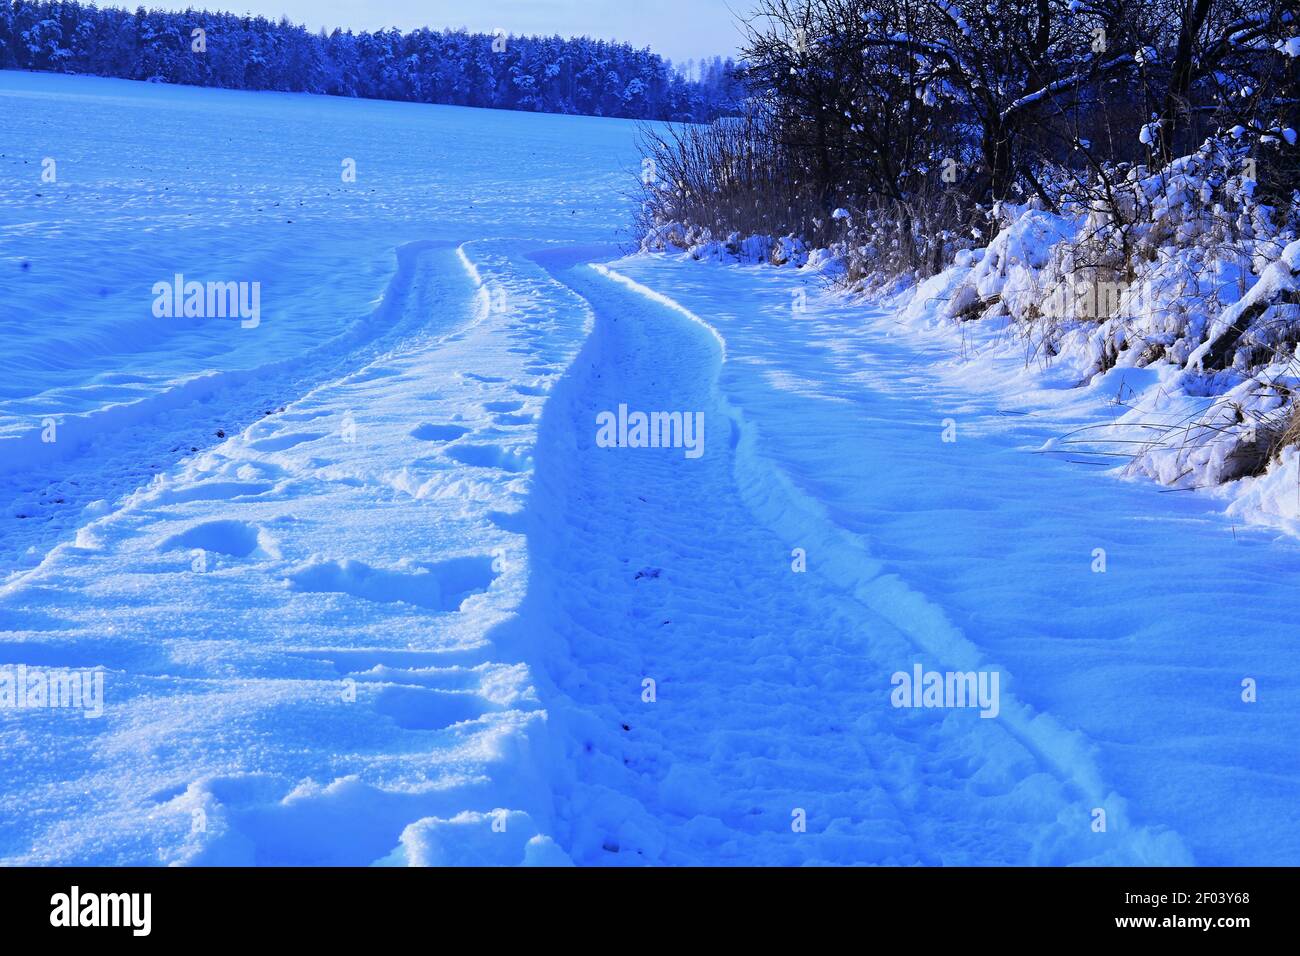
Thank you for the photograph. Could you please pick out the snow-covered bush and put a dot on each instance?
(1118, 183)
(1184, 267)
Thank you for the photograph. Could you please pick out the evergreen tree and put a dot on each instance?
(541, 74)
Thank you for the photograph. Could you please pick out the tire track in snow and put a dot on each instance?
(101, 455)
(294, 623)
(772, 686)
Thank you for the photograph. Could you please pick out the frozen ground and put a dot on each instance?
(406, 609)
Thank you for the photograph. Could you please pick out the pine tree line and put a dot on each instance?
(540, 74)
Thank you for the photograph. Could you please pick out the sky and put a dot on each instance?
(677, 29)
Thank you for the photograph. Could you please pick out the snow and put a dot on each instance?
(1277, 278)
(966, 546)
(407, 610)
(291, 619)
(268, 204)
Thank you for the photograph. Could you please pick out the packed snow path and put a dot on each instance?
(769, 696)
(985, 554)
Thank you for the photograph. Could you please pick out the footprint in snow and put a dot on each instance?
(234, 538)
(430, 432)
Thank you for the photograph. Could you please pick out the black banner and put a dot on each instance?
(330, 906)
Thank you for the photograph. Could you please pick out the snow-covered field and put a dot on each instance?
(409, 608)
(221, 186)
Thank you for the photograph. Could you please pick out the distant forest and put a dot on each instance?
(539, 74)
